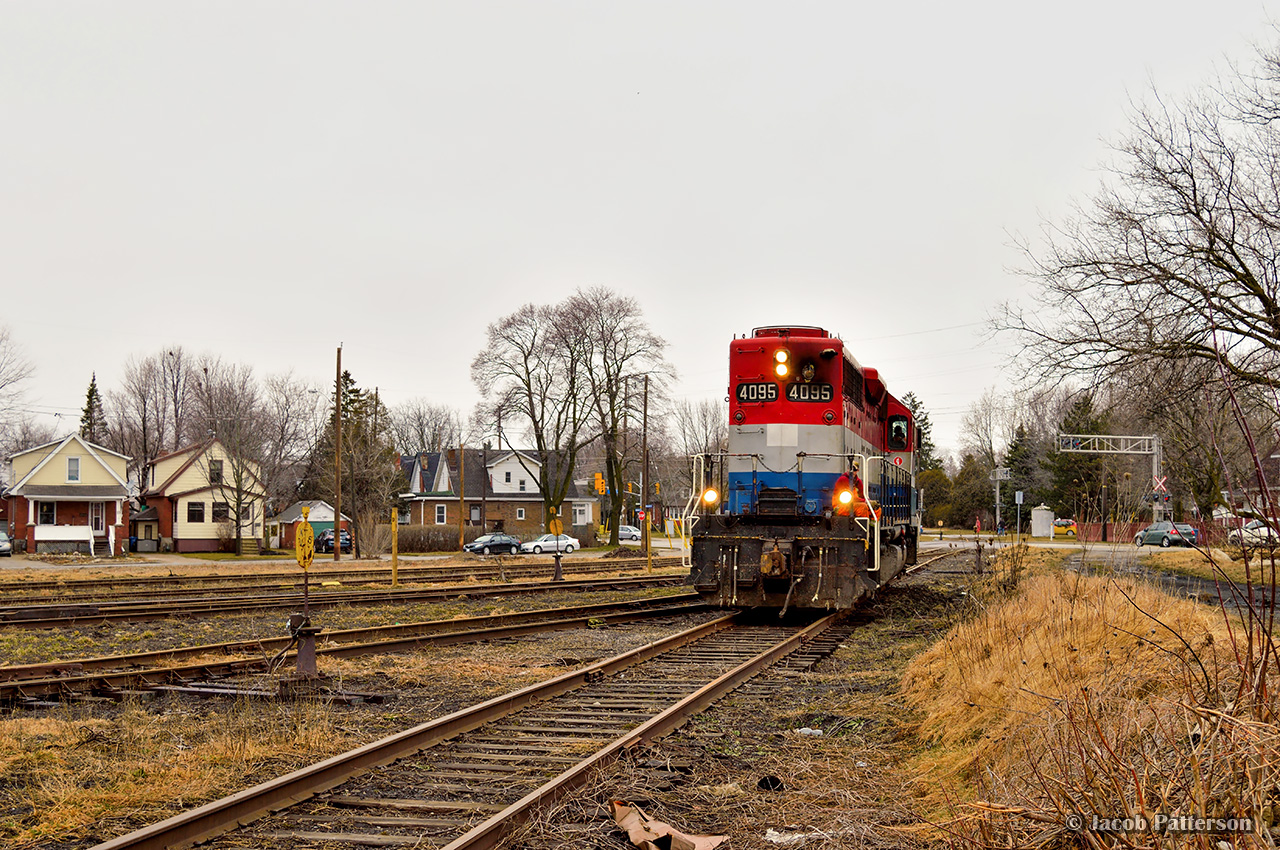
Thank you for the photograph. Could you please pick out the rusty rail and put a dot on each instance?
(221, 815)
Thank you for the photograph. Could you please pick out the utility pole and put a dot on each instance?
(462, 492)
(1104, 510)
(644, 496)
(337, 463)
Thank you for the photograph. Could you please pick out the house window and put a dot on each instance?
(441, 517)
(195, 511)
(402, 516)
(47, 513)
(521, 485)
(215, 472)
(246, 512)
(221, 511)
(73, 469)
(519, 513)
(508, 478)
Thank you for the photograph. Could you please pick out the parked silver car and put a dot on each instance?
(628, 532)
(1255, 532)
(6, 545)
(551, 543)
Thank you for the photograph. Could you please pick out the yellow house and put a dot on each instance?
(206, 499)
(70, 496)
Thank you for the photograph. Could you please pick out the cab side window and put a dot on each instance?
(897, 433)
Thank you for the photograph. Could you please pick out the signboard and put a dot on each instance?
(305, 541)
(1017, 497)
(556, 526)
(639, 516)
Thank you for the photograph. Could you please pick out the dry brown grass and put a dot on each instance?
(1089, 695)
(64, 774)
(1215, 564)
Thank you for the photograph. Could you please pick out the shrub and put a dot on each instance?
(433, 538)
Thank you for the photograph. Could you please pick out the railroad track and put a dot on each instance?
(144, 585)
(88, 614)
(121, 675)
(464, 780)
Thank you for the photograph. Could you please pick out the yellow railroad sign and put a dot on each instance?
(305, 541)
(556, 526)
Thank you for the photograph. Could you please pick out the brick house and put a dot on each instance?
(500, 492)
(69, 496)
(194, 491)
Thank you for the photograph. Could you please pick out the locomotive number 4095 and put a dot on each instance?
(809, 392)
(758, 391)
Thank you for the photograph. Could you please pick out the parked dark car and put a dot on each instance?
(6, 546)
(496, 542)
(1166, 534)
(324, 541)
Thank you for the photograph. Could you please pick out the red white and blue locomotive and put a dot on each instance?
(787, 516)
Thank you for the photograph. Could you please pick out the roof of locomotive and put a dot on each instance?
(792, 330)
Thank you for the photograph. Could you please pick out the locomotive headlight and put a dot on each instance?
(781, 369)
(781, 355)
(710, 496)
(845, 496)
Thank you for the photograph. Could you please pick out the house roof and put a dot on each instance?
(146, 515)
(95, 451)
(197, 451)
(476, 467)
(293, 513)
(86, 492)
(58, 442)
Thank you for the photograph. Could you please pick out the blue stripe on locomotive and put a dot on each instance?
(813, 499)
(897, 502)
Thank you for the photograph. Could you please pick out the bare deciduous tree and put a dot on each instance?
(15, 370)
(532, 370)
(226, 405)
(138, 413)
(618, 347)
(1176, 258)
(420, 425)
(294, 415)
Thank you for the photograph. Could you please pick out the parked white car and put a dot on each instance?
(551, 543)
(1254, 533)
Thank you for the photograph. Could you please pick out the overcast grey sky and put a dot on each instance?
(264, 180)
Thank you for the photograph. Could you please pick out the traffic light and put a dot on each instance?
(600, 488)
(657, 487)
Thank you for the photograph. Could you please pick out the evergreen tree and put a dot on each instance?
(927, 452)
(971, 495)
(1024, 459)
(937, 495)
(93, 422)
(1076, 478)
(371, 476)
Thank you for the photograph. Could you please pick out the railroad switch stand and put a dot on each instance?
(559, 575)
(304, 635)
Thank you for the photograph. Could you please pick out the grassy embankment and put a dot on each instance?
(1067, 695)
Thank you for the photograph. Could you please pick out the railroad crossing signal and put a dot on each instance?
(1159, 487)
